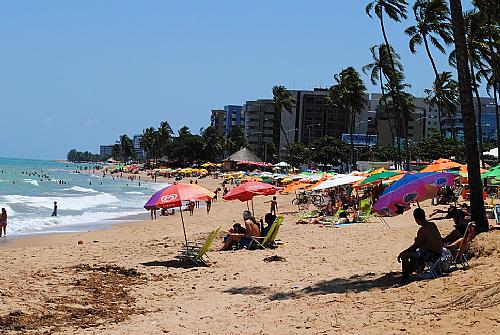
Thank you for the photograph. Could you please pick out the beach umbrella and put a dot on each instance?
(294, 186)
(410, 188)
(248, 190)
(379, 176)
(338, 180)
(173, 195)
(441, 165)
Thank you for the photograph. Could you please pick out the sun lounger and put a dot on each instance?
(268, 240)
(196, 252)
(462, 255)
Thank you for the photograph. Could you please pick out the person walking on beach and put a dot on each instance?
(54, 213)
(153, 213)
(3, 222)
(209, 205)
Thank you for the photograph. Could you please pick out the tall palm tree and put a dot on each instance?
(432, 24)
(467, 106)
(395, 10)
(489, 10)
(282, 100)
(379, 70)
(349, 94)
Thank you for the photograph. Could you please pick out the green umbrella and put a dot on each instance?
(379, 176)
(495, 172)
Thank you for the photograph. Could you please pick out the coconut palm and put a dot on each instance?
(444, 95)
(349, 94)
(469, 119)
(395, 10)
(283, 100)
(380, 70)
(432, 24)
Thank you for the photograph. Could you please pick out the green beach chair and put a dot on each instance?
(268, 240)
(196, 252)
(365, 210)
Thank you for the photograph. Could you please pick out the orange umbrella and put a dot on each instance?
(463, 169)
(317, 183)
(441, 165)
(294, 186)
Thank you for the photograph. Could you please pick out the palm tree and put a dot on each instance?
(283, 100)
(432, 23)
(395, 10)
(380, 69)
(444, 95)
(349, 94)
(469, 119)
(489, 10)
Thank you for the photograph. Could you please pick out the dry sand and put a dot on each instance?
(125, 280)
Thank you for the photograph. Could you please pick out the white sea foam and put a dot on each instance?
(81, 189)
(40, 224)
(64, 203)
(10, 211)
(31, 181)
(134, 192)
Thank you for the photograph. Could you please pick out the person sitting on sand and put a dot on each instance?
(428, 246)
(3, 222)
(269, 220)
(454, 239)
(251, 229)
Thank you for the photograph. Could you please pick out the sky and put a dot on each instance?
(78, 74)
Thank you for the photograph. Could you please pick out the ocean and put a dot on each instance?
(28, 189)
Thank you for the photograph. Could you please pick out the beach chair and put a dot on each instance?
(365, 210)
(263, 242)
(196, 252)
(462, 255)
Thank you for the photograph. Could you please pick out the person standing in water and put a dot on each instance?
(3, 222)
(54, 213)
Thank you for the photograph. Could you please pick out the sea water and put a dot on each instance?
(86, 199)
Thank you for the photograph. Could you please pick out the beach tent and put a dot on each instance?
(244, 155)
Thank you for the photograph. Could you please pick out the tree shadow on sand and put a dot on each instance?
(174, 263)
(353, 284)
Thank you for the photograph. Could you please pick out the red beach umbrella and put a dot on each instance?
(248, 190)
(173, 195)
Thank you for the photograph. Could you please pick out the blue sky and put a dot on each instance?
(77, 74)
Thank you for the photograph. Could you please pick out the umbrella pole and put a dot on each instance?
(184, 229)
(248, 208)
(253, 214)
(418, 204)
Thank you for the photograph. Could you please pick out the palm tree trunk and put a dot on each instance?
(286, 137)
(466, 102)
(351, 133)
(479, 114)
(434, 67)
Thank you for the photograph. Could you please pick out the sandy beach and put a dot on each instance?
(126, 280)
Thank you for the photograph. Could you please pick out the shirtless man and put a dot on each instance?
(428, 246)
(251, 229)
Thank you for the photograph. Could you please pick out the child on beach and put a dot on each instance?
(3, 222)
(190, 207)
(274, 205)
